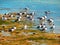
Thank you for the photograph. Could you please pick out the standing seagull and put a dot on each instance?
(25, 26)
(42, 27)
(26, 9)
(4, 18)
(47, 12)
(12, 29)
(50, 21)
(42, 19)
(52, 28)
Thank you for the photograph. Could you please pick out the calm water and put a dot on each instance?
(38, 7)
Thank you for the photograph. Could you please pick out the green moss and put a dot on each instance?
(3, 22)
(39, 38)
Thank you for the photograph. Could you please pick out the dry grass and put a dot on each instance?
(18, 38)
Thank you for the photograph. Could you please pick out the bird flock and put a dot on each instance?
(24, 15)
(44, 21)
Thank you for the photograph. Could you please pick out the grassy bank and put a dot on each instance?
(24, 37)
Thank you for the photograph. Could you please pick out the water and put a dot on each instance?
(37, 6)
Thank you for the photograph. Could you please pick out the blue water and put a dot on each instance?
(39, 8)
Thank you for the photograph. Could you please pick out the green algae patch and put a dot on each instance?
(3, 22)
